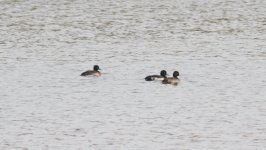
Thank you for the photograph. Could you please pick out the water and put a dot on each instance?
(217, 46)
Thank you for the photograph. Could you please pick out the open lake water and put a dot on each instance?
(218, 46)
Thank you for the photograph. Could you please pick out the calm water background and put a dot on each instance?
(218, 46)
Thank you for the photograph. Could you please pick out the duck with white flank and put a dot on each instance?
(160, 77)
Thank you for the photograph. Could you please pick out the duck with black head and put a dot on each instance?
(160, 77)
(172, 80)
(95, 72)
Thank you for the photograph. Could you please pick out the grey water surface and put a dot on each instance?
(218, 46)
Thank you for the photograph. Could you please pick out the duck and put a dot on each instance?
(172, 80)
(93, 72)
(160, 77)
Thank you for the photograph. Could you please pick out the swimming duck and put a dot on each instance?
(93, 72)
(172, 80)
(161, 77)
